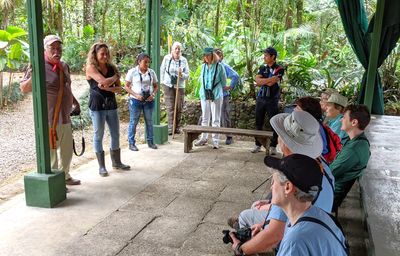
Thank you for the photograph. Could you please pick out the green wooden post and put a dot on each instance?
(43, 188)
(148, 26)
(160, 130)
(374, 52)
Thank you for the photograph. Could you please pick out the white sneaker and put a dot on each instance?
(272, 151)
(200, 143)
(256, 149)
(215, 146)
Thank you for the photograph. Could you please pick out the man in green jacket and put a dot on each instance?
(351, 161)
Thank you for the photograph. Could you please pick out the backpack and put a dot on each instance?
(333, 142)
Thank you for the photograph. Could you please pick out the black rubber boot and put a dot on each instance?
(102, 167)
(116, 160)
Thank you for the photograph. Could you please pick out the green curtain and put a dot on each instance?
(355, 23)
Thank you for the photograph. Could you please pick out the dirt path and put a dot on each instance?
(17, 140)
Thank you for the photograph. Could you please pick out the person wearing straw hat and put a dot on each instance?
(212, 81)
(334, 114)
(174, 71)
(57, 72)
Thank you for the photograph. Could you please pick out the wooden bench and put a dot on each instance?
(192, 132)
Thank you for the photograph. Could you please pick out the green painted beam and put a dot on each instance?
(35, 22)
(374, 53)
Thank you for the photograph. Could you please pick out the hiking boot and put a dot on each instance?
(256, 149)
(233, 222)
(116, 160)
(102, 167)
(228, 141)
(200, 143)
(272, 151)
(133, 147)
(152, 145)
(71, 181)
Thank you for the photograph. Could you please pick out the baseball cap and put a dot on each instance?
(303, 171)
(271, 50)
(300, 132)
(208, 50)
(48, 40)
(338, 99)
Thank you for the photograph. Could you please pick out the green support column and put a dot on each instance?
(374, 52)
(43, 188)
(160, 130)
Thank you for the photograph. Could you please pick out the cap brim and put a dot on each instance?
(312, 149)
(272, 162)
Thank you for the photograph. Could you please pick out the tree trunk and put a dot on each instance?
(9, 88)
(59, 19)
(216, 26)
(299, 14)
(88, 12)
(1, 90)
(103, 19)
(289, 17)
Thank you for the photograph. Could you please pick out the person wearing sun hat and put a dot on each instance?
(212, 81)
(61, 139)
(334, 114)
(298, 133)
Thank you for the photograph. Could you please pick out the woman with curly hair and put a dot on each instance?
(104, 80)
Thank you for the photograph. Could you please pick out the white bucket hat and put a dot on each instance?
(300, 132)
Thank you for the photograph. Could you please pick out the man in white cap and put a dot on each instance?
(298, 134)
(58, 85)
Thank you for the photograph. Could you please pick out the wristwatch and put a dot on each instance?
(238, 250)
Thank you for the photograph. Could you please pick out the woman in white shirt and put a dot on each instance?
(174, 66)
(141, 84)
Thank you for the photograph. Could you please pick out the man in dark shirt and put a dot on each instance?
(268, 78)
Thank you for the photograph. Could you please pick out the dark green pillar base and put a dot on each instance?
(45, 190)
(160, 133)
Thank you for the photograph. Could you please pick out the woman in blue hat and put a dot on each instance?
(212, 81)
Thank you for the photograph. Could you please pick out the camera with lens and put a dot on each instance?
(145, 94)
(174, 79)
(243, 234)
(209, 94)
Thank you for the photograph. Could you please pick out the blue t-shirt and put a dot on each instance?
(309, 238)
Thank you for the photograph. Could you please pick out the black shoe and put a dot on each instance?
(133, 147)
(228, 141)
(152, 145)
(169, 132)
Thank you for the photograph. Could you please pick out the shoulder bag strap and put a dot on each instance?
(56, 113)
(315, 220)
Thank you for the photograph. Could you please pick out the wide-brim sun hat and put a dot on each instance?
(300, 132)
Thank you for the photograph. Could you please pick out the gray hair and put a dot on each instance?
(299, 194)
(176, 44)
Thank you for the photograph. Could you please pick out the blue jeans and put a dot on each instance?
(99, 118)
(135, 108)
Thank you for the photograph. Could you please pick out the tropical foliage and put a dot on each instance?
(308, 35)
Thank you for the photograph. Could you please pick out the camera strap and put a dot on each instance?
(170, 60)
(83, 139)
(213, 80)
(141, 79)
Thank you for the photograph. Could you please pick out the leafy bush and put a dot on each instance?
(15, 94)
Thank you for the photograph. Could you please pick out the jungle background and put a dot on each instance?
(308, 35)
